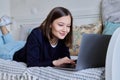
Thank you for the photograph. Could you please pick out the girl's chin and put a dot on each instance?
(62, 38)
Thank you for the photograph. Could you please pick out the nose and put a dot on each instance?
(65, 29)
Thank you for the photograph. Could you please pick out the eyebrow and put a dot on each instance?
(64, 23)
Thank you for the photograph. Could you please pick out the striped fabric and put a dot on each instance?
(11, 70)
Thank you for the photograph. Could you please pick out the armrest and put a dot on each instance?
(113, 57)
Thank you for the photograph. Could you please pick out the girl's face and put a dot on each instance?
(61, 27)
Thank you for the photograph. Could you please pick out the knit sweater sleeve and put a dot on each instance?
(34, 56)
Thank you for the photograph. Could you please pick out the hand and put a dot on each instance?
(62, 61)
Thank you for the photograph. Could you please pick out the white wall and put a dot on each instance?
(4, 7)
(35, 10)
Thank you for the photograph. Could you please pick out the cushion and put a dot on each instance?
(25, 29)
(110, 10)
(110, 27)
(93, 50)
(95, 28)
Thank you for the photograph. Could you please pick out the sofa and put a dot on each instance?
(12, 70)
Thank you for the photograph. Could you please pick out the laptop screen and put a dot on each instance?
(93, 49)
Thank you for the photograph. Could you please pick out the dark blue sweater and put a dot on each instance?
(38, 51)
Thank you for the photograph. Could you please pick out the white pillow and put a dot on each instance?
(111, 10)
(25, 29)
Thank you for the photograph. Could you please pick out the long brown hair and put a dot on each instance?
(56, 13)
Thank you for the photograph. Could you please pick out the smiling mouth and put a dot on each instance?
(62, 34)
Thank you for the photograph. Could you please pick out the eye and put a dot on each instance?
(60, 24)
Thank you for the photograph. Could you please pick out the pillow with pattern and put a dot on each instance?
(95, 28)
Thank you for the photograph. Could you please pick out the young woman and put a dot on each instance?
(48, 44)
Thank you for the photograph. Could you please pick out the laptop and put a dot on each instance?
(92, 52)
